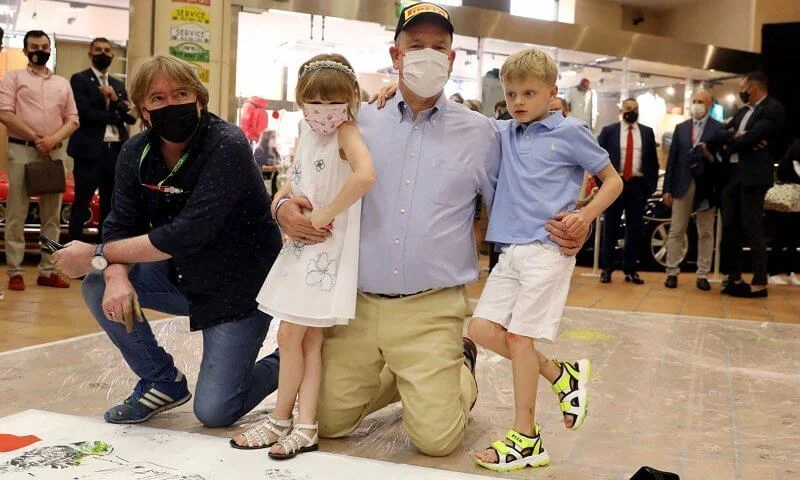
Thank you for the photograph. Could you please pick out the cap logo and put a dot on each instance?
(411, 12)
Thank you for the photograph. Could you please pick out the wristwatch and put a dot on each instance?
(99, 262)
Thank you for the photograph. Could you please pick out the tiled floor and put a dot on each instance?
(708, 399)
(40, 315)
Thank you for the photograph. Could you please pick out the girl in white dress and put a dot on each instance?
(311, 287)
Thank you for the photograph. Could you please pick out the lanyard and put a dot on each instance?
(160, 186)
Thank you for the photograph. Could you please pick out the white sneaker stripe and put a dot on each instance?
(152, 398)
(162, 395)
(147, 403)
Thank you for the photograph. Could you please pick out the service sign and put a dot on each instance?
(191, 14)
(190, 32)
(191, 52)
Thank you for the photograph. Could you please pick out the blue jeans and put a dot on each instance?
(230, 383)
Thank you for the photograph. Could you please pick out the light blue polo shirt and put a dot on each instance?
(541, 174)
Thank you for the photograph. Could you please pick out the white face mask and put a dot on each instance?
(425, 71)
(698, 110)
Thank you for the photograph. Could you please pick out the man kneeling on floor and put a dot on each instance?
(189, 233)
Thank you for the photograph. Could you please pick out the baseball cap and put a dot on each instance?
(427, 10)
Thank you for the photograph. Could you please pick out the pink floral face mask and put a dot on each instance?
(325, 119)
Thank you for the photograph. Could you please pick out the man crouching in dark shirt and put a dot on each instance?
(189, 233)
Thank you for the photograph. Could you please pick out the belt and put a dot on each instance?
(27, 143)
(383, 295)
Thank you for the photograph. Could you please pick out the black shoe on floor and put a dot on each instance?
(759, 293)
(672, 281)
(634, 278)
(605, 276)
(739, 289)
(702, 284)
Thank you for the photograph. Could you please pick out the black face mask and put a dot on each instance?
(38, 57)
(631, 117)
(745, 96)
(175, 123)
(101, 61)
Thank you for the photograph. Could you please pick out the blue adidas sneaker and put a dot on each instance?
(149, 399)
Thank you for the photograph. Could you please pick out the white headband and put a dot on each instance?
(320, 64)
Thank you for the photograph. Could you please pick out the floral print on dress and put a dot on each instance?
(325, 119)
(321, 272)
(296, 172)
(319, 165)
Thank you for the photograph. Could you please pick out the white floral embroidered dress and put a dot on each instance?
(315, 285)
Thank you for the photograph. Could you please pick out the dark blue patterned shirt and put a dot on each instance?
(220, 232)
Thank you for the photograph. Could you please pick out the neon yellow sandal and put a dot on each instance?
(572, 383)
(523, 452)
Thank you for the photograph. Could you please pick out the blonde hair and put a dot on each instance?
(174, 69)
(329, 84)
(528, 63)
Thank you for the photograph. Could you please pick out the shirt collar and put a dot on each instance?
(47, 74)
(98, 73)
(551, 122)
(400, 106)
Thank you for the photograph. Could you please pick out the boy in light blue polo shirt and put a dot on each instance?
(544, 156)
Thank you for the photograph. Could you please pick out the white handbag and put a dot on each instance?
(783, 198)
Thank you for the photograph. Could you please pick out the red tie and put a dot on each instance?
(627, 172)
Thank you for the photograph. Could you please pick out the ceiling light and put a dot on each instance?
(670, 91)
(730, 98)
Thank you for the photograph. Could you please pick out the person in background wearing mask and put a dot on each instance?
(456, 97)
(687, 189)
(405, 343)
(750, 174)
(189, 233)
(632, 148)
(103, 111)
(581, 100)
(38, 109)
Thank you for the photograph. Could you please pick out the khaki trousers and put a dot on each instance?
(681, 211)
(409, 350)
(17, 209)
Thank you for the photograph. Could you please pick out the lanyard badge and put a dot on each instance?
(160, 187)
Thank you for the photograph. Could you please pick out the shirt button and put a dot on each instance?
(394, 271)
(527, 137)
(416, 127)
(397, 241)
(180, 277)
(413, 154)
(402, 210)
(408, 182)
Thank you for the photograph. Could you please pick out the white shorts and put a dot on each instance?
(527, 290)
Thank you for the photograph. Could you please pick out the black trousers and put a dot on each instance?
(743, 219)
(632, 201)
(784, 257)
(91, 174)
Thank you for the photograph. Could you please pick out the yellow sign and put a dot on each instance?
(191, 13)
(202, 71)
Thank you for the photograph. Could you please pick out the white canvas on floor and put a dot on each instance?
(78, 448)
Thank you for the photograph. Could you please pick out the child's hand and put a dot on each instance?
(318, 222)
(575, 222)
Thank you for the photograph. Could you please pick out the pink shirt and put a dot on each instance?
(44, 103)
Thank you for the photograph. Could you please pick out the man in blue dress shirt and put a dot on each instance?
(432, 158)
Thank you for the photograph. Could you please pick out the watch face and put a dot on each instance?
(99, 263)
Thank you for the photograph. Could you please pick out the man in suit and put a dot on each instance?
(749, 176)
(103, 110)
(688, 188)
(632, 149)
